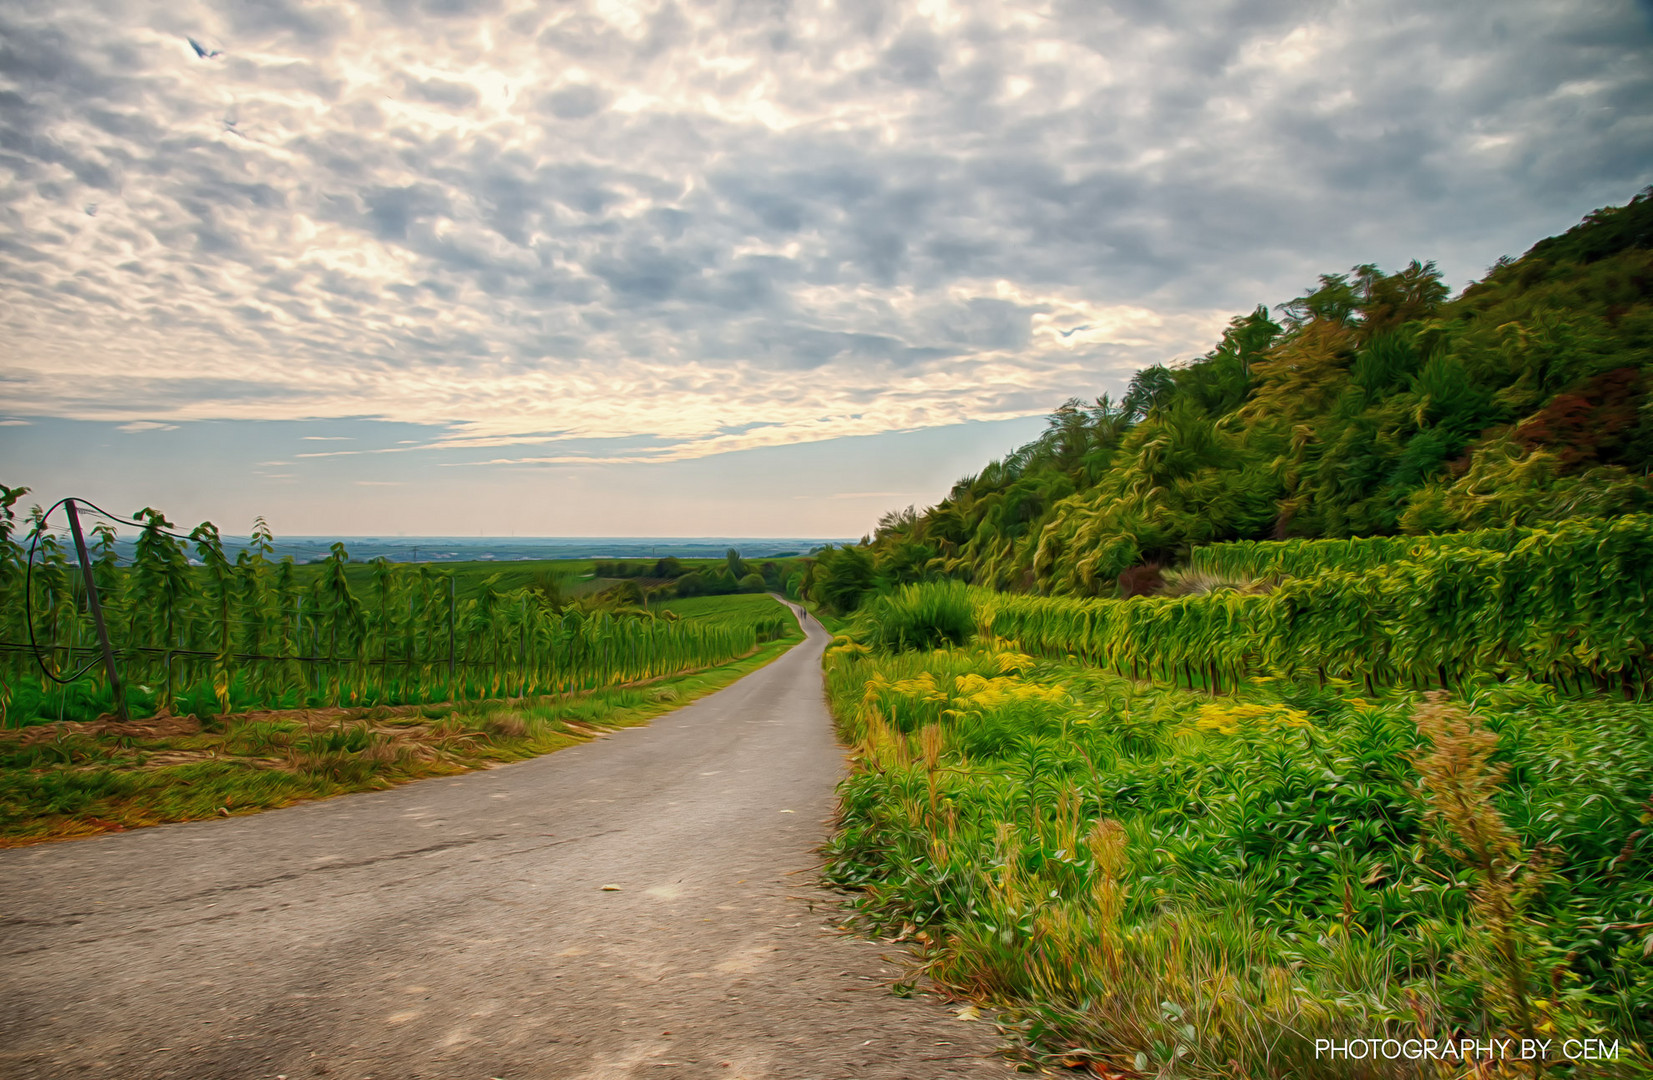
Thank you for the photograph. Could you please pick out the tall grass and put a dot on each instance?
(919, 617)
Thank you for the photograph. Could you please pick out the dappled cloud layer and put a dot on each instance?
(726, 224)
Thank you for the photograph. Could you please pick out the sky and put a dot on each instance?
(733, 267)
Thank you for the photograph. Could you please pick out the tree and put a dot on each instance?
(1149, 388)
(843, 576)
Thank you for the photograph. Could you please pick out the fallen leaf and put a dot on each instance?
(611, 888)
(969, 1012)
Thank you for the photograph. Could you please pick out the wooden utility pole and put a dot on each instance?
(96, 608)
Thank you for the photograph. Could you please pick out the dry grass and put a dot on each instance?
(1198, 582)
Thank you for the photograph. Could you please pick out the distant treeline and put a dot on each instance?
(669, 567)
(734, 575)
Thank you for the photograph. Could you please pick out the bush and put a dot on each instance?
(922, 617)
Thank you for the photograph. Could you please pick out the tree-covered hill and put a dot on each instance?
(1374, 404)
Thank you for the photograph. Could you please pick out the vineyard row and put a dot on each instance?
(1570, 604)
(257, 636)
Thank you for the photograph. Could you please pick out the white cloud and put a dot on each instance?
(726, 227)
(146, 425)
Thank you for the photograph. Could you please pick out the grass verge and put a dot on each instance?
(66, 780)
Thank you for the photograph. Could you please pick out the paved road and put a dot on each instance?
(457, 927)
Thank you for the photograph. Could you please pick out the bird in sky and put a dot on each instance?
(201, 50)
(1075, 330)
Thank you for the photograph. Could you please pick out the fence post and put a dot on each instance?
(298, 647)
(96, 608)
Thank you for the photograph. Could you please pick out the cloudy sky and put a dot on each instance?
(749, 267)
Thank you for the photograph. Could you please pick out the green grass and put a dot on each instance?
(469, 577)
(1178, 884)
(740, 607)
(67, 781)
(767, 617)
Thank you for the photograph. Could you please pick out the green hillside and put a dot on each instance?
(1374, 404)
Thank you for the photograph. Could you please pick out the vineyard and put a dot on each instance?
(1570, 604)
(1300, 558)
(222, 635)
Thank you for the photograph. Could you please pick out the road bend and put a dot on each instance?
(636, 906)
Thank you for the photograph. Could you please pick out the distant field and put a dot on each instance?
(578, 574)
(743, 607)
(470, 576)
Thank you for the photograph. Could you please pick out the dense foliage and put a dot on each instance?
(1371, 405)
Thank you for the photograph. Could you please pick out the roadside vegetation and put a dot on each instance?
(1162, 882)
(1303, 695)
(254, 683)
(72, 779)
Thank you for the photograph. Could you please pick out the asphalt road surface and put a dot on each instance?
(459, 927)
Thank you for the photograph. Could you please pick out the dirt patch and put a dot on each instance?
(166, 759)
(156, 727)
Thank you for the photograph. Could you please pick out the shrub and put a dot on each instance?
(921, 617)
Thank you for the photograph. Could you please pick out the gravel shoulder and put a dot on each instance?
(460, 927)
